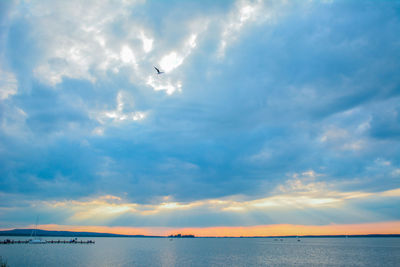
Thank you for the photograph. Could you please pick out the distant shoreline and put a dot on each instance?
(27, 232)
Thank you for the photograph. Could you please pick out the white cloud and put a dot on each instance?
(98, 131)
(333, 134)
(262, 156)
(174, 59)
(78, 42)
(76, 39)
(382, 162)
(109, 207)
(354, 146)
(171, 61)
(339, 138)
(119, 114)
(8, 84)
(303, 182)
(160, 84)
(396, 172)
(13, 122)
(245, 12)
(127, 55)
(147, 42)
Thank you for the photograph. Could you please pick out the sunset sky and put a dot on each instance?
(272, 117)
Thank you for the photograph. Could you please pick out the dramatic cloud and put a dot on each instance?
(268, 112)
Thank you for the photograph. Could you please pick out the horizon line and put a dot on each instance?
(192, 235)
(377, 228)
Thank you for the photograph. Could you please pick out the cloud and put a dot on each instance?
(245, 12)
(119, 114)
(263, 105)
(302, 194)
(8, 84)
(79, 43)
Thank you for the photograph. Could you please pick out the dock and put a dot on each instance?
(73, 241)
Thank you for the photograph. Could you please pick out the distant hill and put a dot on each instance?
(28, 232)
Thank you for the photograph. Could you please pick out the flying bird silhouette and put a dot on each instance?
(158, 71)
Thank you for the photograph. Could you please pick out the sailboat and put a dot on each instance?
(34, 239)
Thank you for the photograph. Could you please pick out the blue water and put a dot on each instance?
(208, 252)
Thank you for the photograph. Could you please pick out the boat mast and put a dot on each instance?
(35, 230)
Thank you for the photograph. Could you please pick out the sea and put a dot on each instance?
(369, 251)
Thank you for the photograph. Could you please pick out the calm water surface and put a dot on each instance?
(208, 252)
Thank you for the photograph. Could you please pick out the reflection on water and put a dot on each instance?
(207, 252)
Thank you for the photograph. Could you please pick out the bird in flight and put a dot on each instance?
(158, 71)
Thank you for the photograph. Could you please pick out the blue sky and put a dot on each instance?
(269, 112)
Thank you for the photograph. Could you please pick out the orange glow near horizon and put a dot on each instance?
(291, 229)
(235, 231)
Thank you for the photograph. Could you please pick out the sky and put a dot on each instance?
(271, 117)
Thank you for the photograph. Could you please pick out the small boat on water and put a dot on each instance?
(34, 239)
